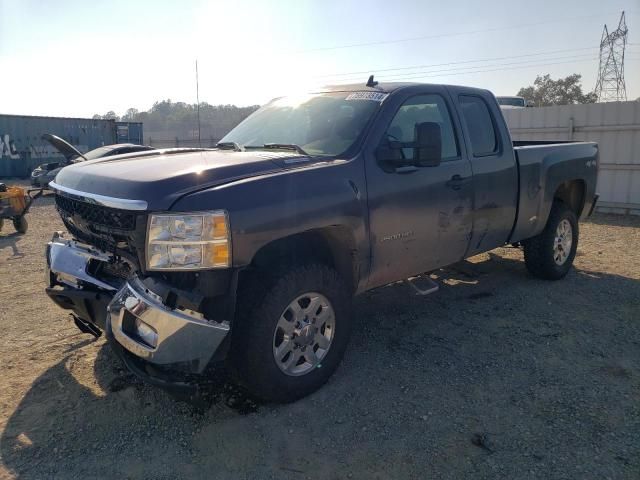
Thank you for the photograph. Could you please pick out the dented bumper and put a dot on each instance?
(134, 316)
(144, 326)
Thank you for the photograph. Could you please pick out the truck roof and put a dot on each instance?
(386, 87)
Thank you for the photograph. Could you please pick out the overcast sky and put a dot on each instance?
(77, 58)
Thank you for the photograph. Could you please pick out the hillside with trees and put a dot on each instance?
(167, 120)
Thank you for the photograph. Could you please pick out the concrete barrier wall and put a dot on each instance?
(616, 128)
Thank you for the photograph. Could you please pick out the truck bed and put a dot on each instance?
(543, 166)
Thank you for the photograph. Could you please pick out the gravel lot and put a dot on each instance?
(498, 375)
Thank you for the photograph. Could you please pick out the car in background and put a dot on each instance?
(513, 102)
(45, 173)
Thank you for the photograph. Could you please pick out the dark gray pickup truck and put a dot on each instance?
(251, 252)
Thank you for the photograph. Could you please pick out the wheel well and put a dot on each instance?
(332, 246)
(572, 194)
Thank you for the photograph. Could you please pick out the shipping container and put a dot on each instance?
(129, 132)
(22, 147)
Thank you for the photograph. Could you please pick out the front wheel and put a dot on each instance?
(291, 340)
(550, 254)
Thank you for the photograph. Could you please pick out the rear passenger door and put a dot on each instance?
(495, 173)
(419, 217)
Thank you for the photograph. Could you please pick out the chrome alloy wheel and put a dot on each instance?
(562, 242)
(304, 333)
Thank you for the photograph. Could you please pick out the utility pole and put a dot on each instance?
(610, 86)
(198, 103)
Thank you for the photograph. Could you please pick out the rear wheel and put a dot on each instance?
(291, 340)
(550, 254)
(20, 224)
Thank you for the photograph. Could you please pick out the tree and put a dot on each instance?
(168, 119)
(546, 91)
(130, 115)
(110, 115)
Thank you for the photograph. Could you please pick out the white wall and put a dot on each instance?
(616, 128)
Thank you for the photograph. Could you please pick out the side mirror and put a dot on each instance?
(427, 151)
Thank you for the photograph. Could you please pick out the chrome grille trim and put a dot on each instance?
(111, 202)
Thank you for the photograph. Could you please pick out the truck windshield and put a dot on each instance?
(511, 101)
(324, 124)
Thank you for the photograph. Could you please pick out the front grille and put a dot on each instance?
(114, 273)
(96, 214)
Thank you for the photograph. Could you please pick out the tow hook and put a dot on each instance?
(86, 327)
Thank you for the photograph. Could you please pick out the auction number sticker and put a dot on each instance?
(375, 96)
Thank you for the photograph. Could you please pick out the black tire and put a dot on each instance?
(1, 224)
(264, 300)
(20, 224)
(539, 250)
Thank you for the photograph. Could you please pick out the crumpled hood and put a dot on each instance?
(161, 177)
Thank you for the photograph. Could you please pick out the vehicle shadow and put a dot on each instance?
(457, 361)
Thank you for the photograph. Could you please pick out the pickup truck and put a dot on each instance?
(248, 255)
(513, 102)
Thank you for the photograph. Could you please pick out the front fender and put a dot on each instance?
(269, 207)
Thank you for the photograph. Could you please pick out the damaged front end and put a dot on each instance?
(148, 321)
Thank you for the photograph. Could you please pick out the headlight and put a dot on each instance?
(188, 241)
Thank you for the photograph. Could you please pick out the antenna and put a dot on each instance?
(198, 103)
(610, 86)
(371, 82)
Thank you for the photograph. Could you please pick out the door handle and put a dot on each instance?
(456, 182)
(406, 169)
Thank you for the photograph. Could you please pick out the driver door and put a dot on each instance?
(420, 218)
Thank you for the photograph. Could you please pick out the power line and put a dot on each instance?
(364, 72)
(418, 76)
(508, 64)
(440, 35)
(469, 68)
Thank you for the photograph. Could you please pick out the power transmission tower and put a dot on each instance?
(610, 86)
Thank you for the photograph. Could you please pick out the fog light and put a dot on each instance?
(146, 333)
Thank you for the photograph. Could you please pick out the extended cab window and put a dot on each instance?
(419, 109)
(479, 125)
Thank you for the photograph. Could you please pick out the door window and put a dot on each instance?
(419, 109)
(479, 125)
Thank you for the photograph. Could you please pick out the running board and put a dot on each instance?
(423, 285)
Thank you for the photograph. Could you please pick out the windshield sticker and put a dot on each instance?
(375, 96)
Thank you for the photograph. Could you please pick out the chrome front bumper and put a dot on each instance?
(181, 336)
(67, 262)
(134, 314)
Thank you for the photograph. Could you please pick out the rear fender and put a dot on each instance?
(546, 172)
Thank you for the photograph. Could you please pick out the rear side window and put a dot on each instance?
(479, 125)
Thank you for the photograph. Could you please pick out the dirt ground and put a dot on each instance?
(498, 375)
